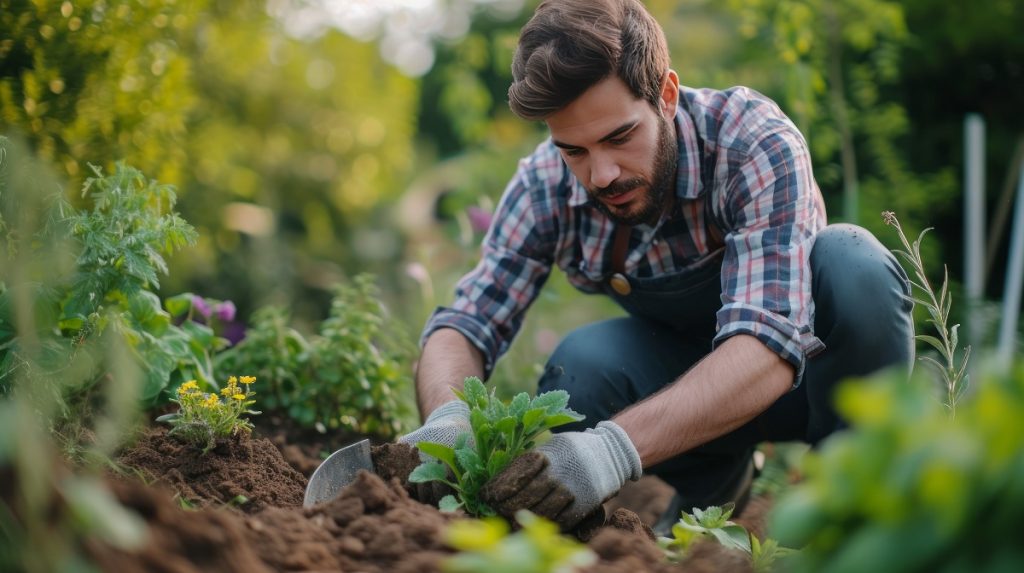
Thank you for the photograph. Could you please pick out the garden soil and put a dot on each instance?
(374, 525)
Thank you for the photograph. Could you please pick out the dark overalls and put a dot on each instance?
(861, 316)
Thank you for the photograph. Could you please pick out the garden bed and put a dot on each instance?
(238, 508)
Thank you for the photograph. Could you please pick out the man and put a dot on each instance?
(697, 211)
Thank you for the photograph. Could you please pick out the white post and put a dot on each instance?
(974, 222)
(1014, 283)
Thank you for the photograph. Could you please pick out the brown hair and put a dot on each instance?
(570, 45)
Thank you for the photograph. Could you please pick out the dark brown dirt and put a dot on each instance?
(302, 448)
(239, 466)
(372, 526)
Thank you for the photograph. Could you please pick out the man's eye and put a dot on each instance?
(574, 152)
(619, 140)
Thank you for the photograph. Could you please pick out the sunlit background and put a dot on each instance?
(313, 140)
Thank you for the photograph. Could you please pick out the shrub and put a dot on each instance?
(88, 272)
(911, 488)
(353, 375)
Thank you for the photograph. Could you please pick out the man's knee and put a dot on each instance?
(858, 284)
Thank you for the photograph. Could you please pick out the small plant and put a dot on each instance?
(486, 546)
(501, 432)
(352, 376)
(714, 522)
(203, 417)
(954, 377)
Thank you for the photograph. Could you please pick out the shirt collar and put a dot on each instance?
(688, 182)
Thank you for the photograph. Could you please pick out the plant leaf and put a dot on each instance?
(519, 405)
(935, 342)
(449, 504)
(552, 402)
(733, 536)
(439, 451)
(562, 418)
(470, 460)
(429, 471)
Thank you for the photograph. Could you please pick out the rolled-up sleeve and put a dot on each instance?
(776, 210)
(517, 253)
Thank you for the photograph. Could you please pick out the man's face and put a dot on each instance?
(621, 149)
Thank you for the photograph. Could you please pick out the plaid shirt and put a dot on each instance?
(742, 163)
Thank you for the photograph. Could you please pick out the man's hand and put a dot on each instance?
(567, 478)
(442, 426)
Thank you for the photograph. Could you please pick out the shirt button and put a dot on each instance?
(620, 284)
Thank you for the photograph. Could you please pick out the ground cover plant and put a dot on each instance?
(500, 433)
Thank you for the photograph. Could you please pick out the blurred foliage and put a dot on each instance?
(46, 510)
(213, 97)
(70, 276)
(911, 488)
(297, 157)
(487, 546)
(353, 376)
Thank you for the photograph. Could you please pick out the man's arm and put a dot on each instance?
(448, 358)
(732, 385)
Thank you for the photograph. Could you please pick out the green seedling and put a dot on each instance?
(954, 377)
(714, 522)
(501, 432)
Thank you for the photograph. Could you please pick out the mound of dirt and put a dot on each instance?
(238, 466)
(374, 525)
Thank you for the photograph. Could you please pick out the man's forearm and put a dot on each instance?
(448, 358)
(736, 382)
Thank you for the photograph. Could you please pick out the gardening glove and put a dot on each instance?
(569, 477)
(442, 426)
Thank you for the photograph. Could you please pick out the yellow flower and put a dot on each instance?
(228, 391)
(239, 396)
(190, 385)
(232, 380)
(211, 400)
(248, 379)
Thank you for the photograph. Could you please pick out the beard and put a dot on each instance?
(646, 207)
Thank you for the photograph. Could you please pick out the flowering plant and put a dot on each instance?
(203, 417)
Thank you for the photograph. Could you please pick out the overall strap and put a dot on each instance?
(620, 246)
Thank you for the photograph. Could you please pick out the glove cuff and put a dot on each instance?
(455, 410)
(625, 458)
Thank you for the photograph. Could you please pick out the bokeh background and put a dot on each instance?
(312, 140)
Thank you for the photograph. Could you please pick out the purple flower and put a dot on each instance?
(225, 311)
(200, 307)
(479, 219)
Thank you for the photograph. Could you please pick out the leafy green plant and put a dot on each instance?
(954, 377)
(501, 432)
(351, 376)
(203, 417)
(714, 522)
(910, 488)
(486, 546)
(71, 276)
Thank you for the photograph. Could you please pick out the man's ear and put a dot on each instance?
(669, 94)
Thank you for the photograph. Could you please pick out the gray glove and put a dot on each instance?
(442, 426)
(568, 478)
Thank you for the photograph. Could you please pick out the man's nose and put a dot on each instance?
(603, 171)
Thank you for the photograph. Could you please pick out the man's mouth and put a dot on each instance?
(621, 198)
